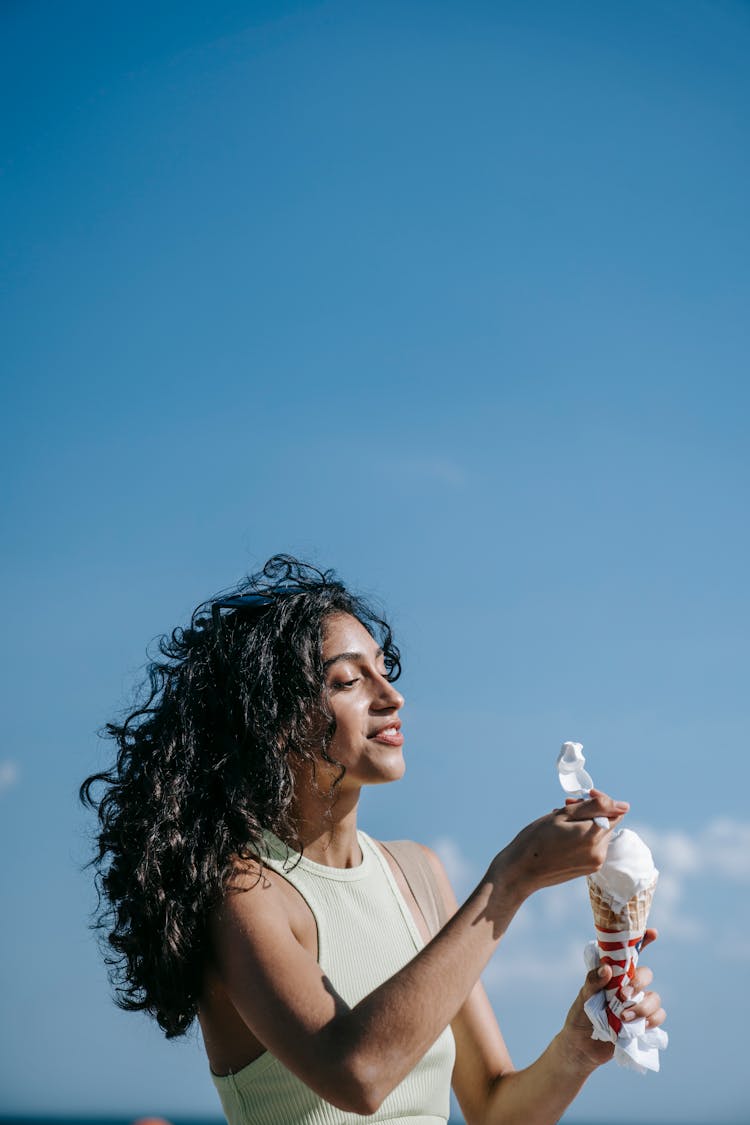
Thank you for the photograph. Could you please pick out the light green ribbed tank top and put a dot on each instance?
(366, 933)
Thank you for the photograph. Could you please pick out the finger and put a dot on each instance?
(657, 1019)
(596, 980)
(592, 817)
(600, 821)
(649, 935)
(609, 803)
(645, 1008)
(642, 979)
(614, 821)
(598, 804)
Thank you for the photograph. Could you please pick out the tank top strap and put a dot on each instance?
(403, 905)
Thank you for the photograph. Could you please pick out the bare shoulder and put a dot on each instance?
(441, 875)
(249, 888)
(432, 857)
(257, 901)
(438, 869)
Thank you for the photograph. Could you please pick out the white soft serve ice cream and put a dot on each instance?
(628, 869)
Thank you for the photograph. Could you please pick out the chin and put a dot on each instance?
(393, 772)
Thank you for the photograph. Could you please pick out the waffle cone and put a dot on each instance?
(631, 916)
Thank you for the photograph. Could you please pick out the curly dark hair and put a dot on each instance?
(203, 767)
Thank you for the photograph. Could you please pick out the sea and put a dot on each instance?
(143, 1120)
(154, 1120)
(146, 1121)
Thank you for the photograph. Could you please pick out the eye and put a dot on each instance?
(338, 684)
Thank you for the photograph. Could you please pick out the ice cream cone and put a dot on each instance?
(619, 931)
(621, 892)
(616, 917)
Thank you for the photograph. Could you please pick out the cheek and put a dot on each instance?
(347, 719)
(320, 729)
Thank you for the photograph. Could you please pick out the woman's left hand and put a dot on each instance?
(577, 1029)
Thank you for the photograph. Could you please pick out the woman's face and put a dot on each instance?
(365, 706)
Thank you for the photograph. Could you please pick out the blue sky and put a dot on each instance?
(452, 298)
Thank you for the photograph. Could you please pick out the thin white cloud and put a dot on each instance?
(727, 847)
(734, 946)
(531, 967)
(563, 912)
(9, 774)
(544, 943)
(720, 849)
(668, 912)
(458, 867)
(565, 902)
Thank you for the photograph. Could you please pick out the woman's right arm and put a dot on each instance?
(355, 1056)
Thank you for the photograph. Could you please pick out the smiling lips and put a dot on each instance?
(390, 735)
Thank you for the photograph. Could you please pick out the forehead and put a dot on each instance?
(344, 633)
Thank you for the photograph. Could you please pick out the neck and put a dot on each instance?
(327, 826)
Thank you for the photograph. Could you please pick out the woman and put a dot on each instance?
(238, 888)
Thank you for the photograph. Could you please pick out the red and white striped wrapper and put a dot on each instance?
(619, 950)
(619, 934)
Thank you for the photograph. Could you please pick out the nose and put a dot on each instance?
(388, 697)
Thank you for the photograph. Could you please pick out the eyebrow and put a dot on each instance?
(353, 656)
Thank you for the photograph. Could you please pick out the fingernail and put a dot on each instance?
(601, 972)
(628, 1014)
(623, 806)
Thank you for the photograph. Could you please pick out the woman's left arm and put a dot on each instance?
(489, 1089)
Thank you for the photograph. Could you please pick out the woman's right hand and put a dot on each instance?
(560, 846)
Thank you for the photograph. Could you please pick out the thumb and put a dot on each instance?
(596, 980)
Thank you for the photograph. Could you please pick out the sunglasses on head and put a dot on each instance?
(251, 601)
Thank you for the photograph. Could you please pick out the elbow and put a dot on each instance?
(362, 1103)
(359, 1088)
